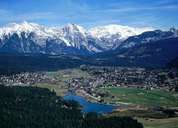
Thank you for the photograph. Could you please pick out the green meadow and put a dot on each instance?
(140, 96)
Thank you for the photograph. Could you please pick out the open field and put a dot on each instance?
(150, 119)
(159, 123)
(140, 113)
(67, 74)
(140, 97)
(61, 77)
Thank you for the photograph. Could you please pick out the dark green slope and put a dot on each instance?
(31, 107)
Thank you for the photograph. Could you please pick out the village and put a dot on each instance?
(23, 79)
(123, 77)
(99, 77)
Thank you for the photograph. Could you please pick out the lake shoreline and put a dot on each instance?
(89, 106)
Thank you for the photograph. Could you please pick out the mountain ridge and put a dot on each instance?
(150, 48)
(71, 35)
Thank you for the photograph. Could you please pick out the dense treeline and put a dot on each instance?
(15, 63)
(32, 107)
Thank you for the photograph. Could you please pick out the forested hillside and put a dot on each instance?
(32, 107)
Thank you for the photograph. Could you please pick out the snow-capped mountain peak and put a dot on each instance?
(27, 27)
(113, 29)
(113, 35)
(73, 29)
(70, 36)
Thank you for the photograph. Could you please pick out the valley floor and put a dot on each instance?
(138, 92)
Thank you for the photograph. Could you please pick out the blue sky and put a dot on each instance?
(152, 13)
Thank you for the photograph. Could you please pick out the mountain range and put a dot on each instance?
(105, 45)
(33, 38)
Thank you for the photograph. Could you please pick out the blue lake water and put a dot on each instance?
(89, 106)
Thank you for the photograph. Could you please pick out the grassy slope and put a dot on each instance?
(141, 97)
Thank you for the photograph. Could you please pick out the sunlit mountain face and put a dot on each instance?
(34, 38)
(55, 40)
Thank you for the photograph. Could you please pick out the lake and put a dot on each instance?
(89, 106)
